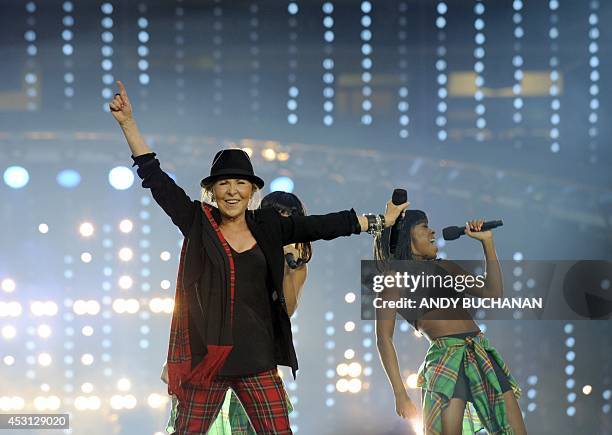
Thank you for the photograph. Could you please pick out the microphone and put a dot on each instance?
(399, 196)
(290, 259)
(452, 233)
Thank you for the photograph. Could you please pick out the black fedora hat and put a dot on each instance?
(232, 163)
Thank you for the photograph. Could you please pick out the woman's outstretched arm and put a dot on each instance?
(301, 229)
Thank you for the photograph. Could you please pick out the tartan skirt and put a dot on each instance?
(471, 357)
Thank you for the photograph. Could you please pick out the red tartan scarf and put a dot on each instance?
(216, 301)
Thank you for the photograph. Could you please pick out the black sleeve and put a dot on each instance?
(172, 199)
(300, 229)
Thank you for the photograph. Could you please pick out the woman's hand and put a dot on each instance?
(404, 407)
(472, 229)
(392, 212)
(120, 107)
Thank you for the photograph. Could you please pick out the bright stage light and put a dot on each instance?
(342, 385)
(126, 226)
(44, 331)
(132, 306)
(121, 178)
(44, 359)
(87, 387)
(8, 360)
(349, 354)
(50, 403)
(48, 308)
(282, 156)
(248, 150)
(87, 331)
(165, 284)
(14, 403)
(282, 184)
(125, 282)
(10, 309)
(411, 381)
(125, 254)
(8, 285)
(124, 384)
(157, 400)
(354, 386)
(87, 403)
(86, 257)
(9, 332)
(349, 326)
(268, 154)
(349, 297)
(586, 390)
(43, 228)
(16, 177)
(342, 369)
(69, 178)
(129, 402)
(354, 369)
(165, 256)
(86, 229)
(87, 359)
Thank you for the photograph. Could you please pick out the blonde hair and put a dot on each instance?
(207, 197)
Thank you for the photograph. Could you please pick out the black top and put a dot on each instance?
(253, 350)
(271, 231)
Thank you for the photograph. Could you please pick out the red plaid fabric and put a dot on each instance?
(262, 396)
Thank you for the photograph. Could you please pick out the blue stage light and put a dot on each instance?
(284, 184)
(16, 177)
(69, 178)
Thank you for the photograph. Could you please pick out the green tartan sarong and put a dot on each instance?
(231, 420)
(438, 374)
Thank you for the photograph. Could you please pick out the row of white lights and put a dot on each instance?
(441, 67)
(402, 103)
(293, 91)
(328, 63)
(366, 62)
(107, 51)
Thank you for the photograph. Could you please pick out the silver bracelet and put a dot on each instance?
(376, 224)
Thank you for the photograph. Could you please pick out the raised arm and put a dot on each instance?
(173, 199)
(121, 109)
(493, 283)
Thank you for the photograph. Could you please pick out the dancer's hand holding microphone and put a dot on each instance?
(473, 229)
(396, 206)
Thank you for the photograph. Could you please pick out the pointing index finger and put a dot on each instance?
(122, 90)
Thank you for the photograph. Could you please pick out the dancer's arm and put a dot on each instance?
(301, 229)
(293, 281)
(385, 327)
(173, 200)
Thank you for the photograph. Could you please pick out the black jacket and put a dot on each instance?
(271, 231)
